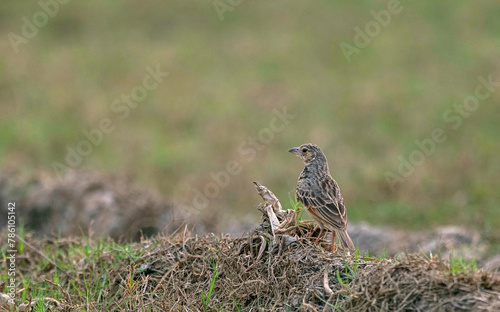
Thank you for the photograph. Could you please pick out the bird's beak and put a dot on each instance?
(293, 150)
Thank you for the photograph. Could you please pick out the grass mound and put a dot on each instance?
(256, 272)
(274, 268)
(416, 283)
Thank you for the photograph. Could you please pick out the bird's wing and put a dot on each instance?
(326, 202)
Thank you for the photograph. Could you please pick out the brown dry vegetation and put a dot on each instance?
(250, 273)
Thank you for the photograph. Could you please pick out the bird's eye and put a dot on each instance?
(304, 150)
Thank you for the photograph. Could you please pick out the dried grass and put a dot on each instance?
(255, 274)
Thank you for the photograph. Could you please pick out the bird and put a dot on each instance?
(320, 194)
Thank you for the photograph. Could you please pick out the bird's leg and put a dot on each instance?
(333, 241)
(319, 235)
(311, 233)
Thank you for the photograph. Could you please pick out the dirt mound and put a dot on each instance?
(443, 240)
(87, 203)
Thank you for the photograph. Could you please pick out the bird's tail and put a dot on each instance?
(345, 241)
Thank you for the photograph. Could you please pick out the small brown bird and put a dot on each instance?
(320, 194)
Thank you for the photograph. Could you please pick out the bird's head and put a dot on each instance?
(309, 153)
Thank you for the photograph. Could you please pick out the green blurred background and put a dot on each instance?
(226, 77)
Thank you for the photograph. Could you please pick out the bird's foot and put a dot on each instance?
(311, 233)
(319, 237)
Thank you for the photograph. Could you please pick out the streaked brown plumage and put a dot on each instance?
(320, 194)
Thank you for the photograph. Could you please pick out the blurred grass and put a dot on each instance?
(226, 77)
